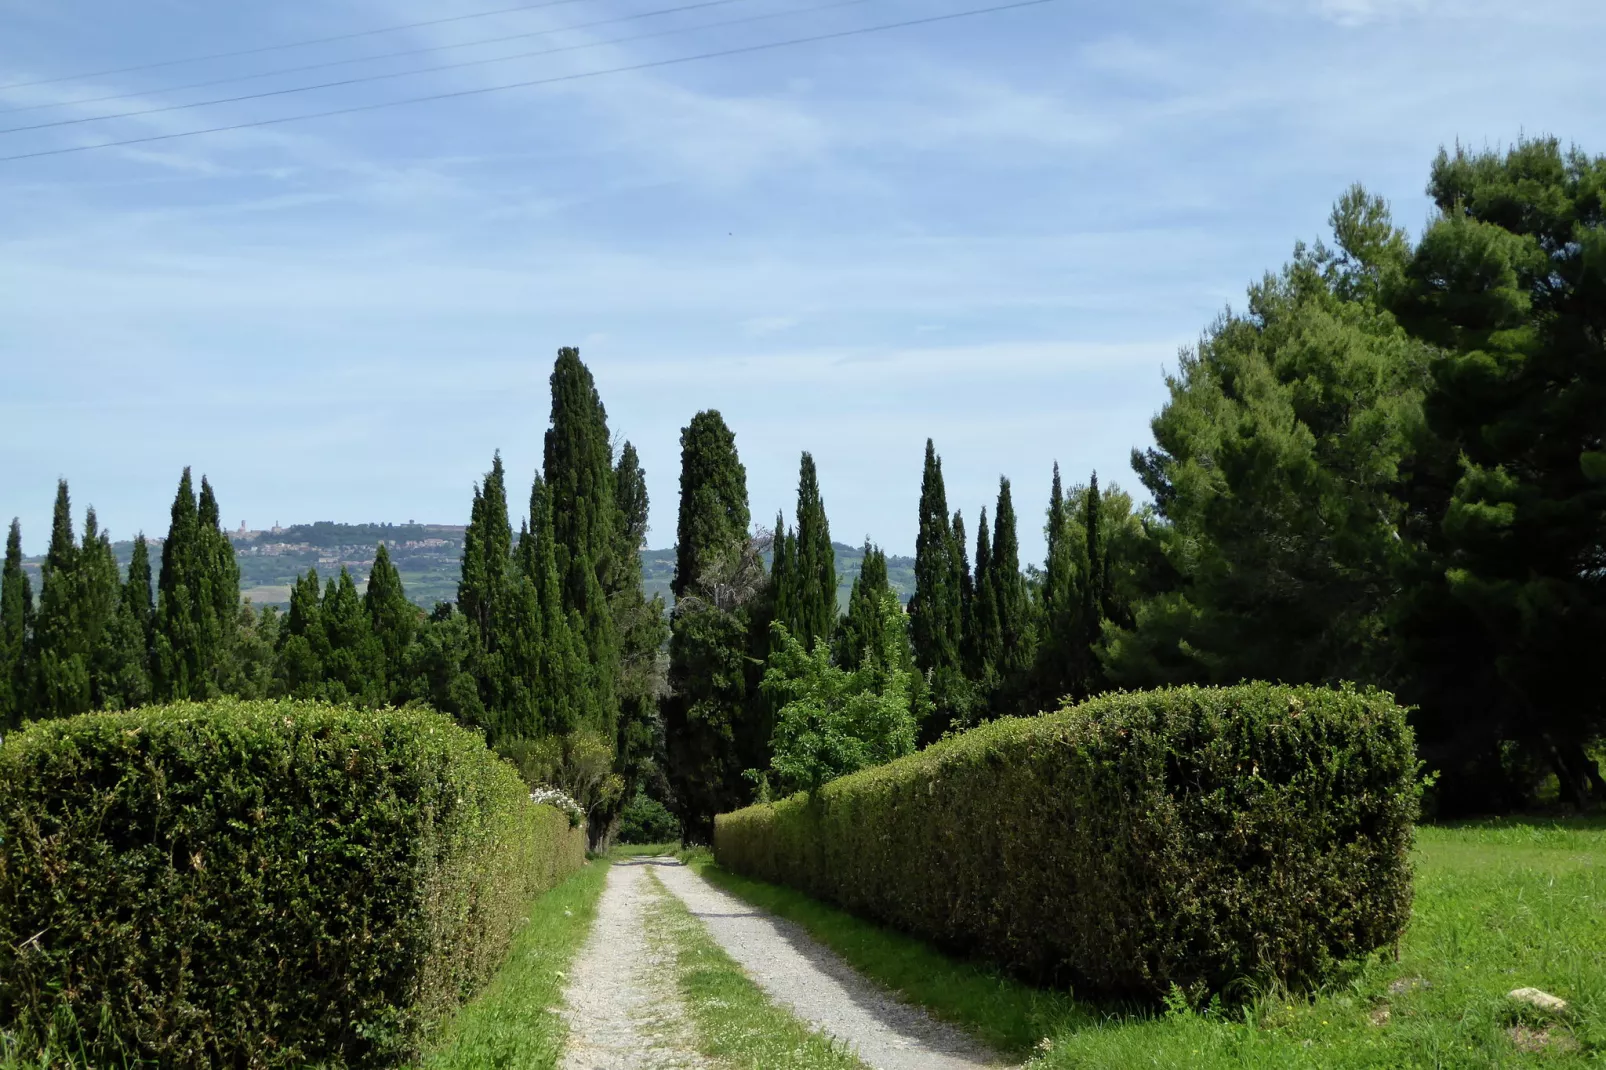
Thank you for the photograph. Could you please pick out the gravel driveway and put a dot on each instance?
(810, 980)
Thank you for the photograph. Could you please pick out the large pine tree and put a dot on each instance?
(16, 623)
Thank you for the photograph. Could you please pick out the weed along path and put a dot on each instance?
(808, 979)
(620, 1003)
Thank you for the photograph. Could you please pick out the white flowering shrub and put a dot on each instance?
(561, 799)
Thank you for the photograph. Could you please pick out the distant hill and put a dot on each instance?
(428, 556)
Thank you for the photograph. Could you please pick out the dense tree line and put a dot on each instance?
(1389, 468)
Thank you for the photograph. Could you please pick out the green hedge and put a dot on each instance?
(257, 883)
(1208, 838)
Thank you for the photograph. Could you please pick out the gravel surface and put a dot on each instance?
(621, 1004)
(818, 987)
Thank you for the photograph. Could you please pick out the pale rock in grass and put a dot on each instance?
(1536, 998)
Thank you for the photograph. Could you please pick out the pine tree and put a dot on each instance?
(1016, 643)
(392, 618)
(61, 685)
(578, 468)
(814, 612)
(713, 492)
(936, 611)
(487, 544)
(860, 630)
(16, 623)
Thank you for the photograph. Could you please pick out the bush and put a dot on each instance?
(1211, 839)
(259, 884)
(646, 820)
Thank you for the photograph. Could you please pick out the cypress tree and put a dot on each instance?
(137, 591)
(1058, 660)
(303, 645)
(859, 633)
(1016, 641)
(487, 543)
(642, 631)
(578, 467)
(984, 642)
(354, 667)
(814, 614)
(709, 713)
(61, 684)
(220, 572)
(391, 617)
(936, 612)
(1095, 582)
(783, 574)
(109, 648)
(565, 701)
(16, 622)
(713, 493)
(176, 667)
(967, 586)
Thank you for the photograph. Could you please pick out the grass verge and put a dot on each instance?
(733, 1019)
(513, 1022)
(1499, 905)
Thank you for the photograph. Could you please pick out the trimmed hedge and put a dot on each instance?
(259, 884)
(1208, 838)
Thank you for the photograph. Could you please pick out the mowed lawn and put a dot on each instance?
(1500, 905)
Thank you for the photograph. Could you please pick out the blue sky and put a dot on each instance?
(994, 231)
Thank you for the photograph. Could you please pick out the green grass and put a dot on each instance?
(513, 1022)
(734, 1021)
(1499, 905)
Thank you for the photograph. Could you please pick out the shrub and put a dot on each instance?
(646, 820)
(259, 884)
(1207, 838)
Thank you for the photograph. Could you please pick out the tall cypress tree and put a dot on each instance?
(783, 574)
(565, 701)
(61, 684)
(1095, 585)
(1016, 642)
(815, 612)
(713, 516)
(176, 670)
(708, 712)
(936, 621)
(16, 622)
(984, 642)
(303, 644)
(487, 543)
(578, 467)
(220, 571)
(391, 617)
(129, 662)
(1058, 661)
(861, 629)
(107, 646)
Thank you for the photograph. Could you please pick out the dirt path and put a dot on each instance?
(818, 987)
(621, 1002)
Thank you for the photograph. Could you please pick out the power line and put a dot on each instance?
(766, 46)
(502, 39)
(292, 44)
(359, 79)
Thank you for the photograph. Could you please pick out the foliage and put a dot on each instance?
(1441, 1001)
(579, 764)
(936, 610)
(646, 820)
(1505, 608)
(510, 1023)
(261, 883)
(832, 721)
(1212, 839)
(16, 621)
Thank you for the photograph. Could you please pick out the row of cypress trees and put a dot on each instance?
(95, 639)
